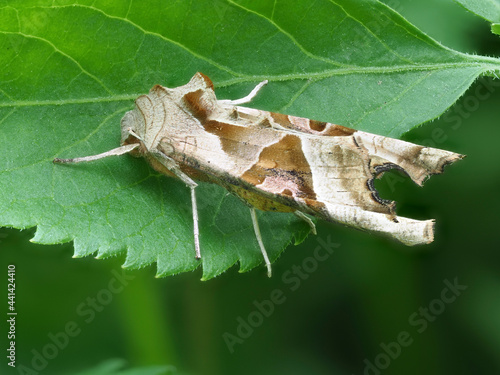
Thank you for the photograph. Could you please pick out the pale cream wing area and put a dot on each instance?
(339, 172)
(416, 161)
(343, 169)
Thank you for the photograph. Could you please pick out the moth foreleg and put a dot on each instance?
(259, 240)
(172, 166)
(247, 98)
(306, 218)
(114, 152)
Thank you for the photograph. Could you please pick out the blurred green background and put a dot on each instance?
(343, 312)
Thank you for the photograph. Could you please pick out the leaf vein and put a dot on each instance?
(164, 38)
(57, 50)
(291, 37)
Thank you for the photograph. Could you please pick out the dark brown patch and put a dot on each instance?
(265, 123)
(315, 205)
(314, 127)
(291, 166)
(232, 137)
(338, 131)
(282, 120)
(318, 126)
(194, 101)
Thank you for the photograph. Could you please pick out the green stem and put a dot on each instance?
(146, 323)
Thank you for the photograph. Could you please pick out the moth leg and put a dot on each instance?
(259, 240)
(246, 99)
(172, 166)
(114, 152)
(306, 218)
(196, 231)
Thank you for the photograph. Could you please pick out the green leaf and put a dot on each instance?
(495, 28)
(487, 9)
(70, 70)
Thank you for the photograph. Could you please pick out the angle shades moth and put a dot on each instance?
(274, 162)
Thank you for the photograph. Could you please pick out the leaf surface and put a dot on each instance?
(487, 9)
(71, 69)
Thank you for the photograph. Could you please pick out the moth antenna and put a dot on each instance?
(247, 98)
(306, 218)
(259, 240)
(114, 152)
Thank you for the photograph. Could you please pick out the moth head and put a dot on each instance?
(133, 127)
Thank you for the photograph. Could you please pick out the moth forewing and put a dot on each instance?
(274, 162)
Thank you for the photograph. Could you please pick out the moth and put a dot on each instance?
(274, 162)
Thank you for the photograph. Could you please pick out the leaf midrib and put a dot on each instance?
(482, 63)
(493, 65)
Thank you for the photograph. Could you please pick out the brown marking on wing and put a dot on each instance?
(311, 126)
(333, 130)
(314, 205)
(207, 80)
(291, 174)
(281, 119)
(198, 107)
(158, 89)
(232, 137)
(320, 127)
(265, 123)
(317, 126)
